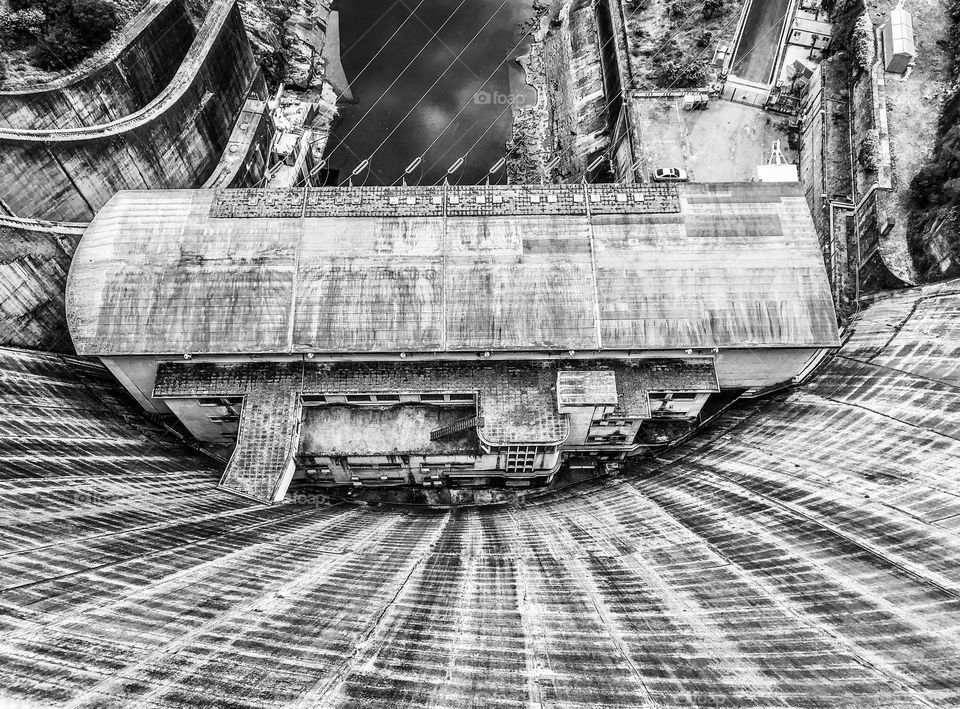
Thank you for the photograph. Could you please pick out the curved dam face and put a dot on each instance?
(122, 79)
(34, 260)
(799, 554)
(175, 140)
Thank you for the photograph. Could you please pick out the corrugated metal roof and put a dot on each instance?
(898, 33)
(735, 265)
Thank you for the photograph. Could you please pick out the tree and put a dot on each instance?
(75, 29)
(20, 26)
(677, 9)
(713, 9)
(94, 20)
(674, 74)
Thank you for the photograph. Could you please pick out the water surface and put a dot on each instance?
(430, 79)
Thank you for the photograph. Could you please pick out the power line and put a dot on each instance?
(663, 46)
(385, 44)
(512, 101)
(487, 130)
(449, 66)
(696, 58)
(398, 77)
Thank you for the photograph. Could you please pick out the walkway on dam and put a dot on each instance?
(803, 552)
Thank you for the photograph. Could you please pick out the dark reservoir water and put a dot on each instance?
(431, 78)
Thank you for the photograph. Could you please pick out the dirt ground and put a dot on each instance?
(724, 143)
(913, 104)
(655, 37)
(913, 108)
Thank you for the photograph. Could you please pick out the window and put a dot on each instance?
(461, 397)
(229, 418)
(678, 404)
(358, 398)
(313, 399)
(433, 397)
(673, 395)
(388, 397)
(219, 401)
(520, 459)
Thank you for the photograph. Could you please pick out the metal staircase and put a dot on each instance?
(455, 427)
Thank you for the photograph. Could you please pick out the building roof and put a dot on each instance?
(898, 32)
(515, 399)
(813, 26)
(778, 173)
(368, 270)
(586, 388)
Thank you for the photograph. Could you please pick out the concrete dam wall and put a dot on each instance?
(120, 80)
(34, 260)
(801, 553)
(176, 140)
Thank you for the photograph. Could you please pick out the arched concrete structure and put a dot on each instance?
(175, 140)
(120, 79)
(801, 553)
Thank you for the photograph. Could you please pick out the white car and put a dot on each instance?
(669, 174)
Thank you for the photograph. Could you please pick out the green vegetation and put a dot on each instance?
(869, 155)
(935, 190)
(672, 42)
(57, 33)
(862, 39)
(713, 9)
(677, 9)
(679, 74)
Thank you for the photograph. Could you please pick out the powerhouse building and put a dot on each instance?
(447, 336)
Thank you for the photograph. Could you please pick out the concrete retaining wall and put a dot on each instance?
(246, 157)
(175, 141)
(120, 80)
(572, 63)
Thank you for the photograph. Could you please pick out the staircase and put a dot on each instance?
(455, 427)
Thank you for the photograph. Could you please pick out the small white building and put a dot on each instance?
(778, 173)
(899, 49)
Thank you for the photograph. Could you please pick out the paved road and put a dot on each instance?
(756, 50)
